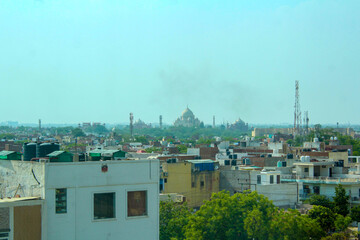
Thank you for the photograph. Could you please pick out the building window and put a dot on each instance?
(60, 200)
(258, 179)
(104, 205)
(316, 189)
(271, 179)
(137, 203)
(202, 184)
(306, 169)
(192, 184)
(165, 180)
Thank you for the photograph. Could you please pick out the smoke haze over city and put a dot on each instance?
(80, 61)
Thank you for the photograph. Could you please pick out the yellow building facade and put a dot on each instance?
(196, 180)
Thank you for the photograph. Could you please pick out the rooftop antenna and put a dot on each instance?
(131, 125)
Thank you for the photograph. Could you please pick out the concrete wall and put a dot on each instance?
(82, 180)
(336, 156)
(282, 195)
(21, 178)
(236, 180)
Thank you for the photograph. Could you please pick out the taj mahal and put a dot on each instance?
(187, 119)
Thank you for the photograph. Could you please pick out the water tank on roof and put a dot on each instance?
(307, 158)
(246, 161)
(44, 149)
(233, 162)
(227, 162)
(335, 138)
(279, 164)
(302, 159)
(316, 140)
(290, 156)
(29, 150)
(332, 138)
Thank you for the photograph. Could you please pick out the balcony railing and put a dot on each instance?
(320, 178)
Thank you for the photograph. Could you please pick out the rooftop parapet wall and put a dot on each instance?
(26, 179)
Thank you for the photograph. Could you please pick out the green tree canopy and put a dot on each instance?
(324, 216)
(355, 213)
(341, 201)
(320, 200)
(232, 217)
(292, 225)
(77, 132)
(173, 218)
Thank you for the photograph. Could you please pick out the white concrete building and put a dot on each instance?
(322, 178)
(239, 179)
(87, 200)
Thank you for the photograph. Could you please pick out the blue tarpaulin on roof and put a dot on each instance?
(204, 166)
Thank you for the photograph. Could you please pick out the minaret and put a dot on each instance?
(39, 126)
(131, 125)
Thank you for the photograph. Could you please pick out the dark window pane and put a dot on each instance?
(104, 205)
(137, 203)
(259, 179)
(60, 200)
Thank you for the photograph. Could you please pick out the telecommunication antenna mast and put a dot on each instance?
(214, 121)
(131, 125)
(297, 112)
(160, 121)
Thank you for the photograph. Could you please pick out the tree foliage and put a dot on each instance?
(320, 200)
(355, 213)
(173, 218)
(341, 201)
(342, 223)
(324, 216)
(248, 215)
(232, 217)
(291, 225)
(77, 132)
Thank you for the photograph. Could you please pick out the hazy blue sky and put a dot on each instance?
(73, 61)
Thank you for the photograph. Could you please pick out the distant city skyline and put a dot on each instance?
(97, 61)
